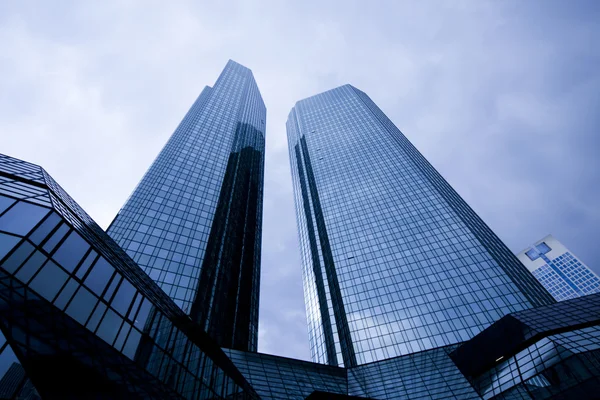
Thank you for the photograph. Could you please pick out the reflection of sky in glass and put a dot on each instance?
(183, 207)
(412, 272)
(66, 281)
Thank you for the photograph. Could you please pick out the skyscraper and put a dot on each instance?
(82, 318)
(563, 274)
(194, 221)
(394, 261)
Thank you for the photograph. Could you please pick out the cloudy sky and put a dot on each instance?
(503, 97)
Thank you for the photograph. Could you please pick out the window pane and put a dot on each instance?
(123, 298)
(45, 228)
(111, 288)
(32, 266)
(122, 336)
(96, 316)
(56, 237)
(49, 281)
(7, 243)
(99, 276)
(132, 343)
(81, 306)
(134, 308)
(66, 294)
(109, 326)
(71, 251)
(22, 217)
(142, 316)
(85, 265)
(5, 202)
(17, 258)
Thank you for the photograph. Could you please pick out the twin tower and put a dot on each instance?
(394, 261)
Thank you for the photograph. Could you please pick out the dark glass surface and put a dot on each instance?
(194, 221)
(102, 341)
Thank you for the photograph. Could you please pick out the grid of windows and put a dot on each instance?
(573, 278)
(283, 378)
(547, 352)
(546, 369)
(423, 375)
(66, 286)
(194, 221)
(405, 264)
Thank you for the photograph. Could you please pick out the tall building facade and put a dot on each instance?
(394, 261)
(70, 296)
(562, 273)
(193, 223)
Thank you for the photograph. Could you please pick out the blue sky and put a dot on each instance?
(501, 96)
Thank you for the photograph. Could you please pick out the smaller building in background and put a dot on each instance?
(563, 274)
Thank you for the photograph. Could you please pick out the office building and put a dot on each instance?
(193, 223)
(562, 273)
(12, 381)
(394, 261)
(82, 318)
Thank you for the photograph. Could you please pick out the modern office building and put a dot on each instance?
(84, 321)
(82, 318)
(394, 261)
(193, 223)
(562, 273)
(12, 381)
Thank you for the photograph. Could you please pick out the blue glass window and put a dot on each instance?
(56, 237)
(49, 280)
(17, 258)
(82, 305)
(132, 343)
(142, 315)
(533, 254)
(45, 228)
(96, 316)
(66, 294)
(123, 297)
(22, 217)
(83, 268)
(99, 276)
(5, 202)
(543, 248)
(71, 251)
(7, 243)
(109, 326)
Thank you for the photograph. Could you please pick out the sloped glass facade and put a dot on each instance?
(394, 261)
(547, 352)
(193, 223)
(81, 317)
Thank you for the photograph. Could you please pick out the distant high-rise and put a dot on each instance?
(194, 221)
(12, 381)
(394, 260)
(563, 274)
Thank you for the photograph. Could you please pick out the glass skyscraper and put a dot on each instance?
(80, 319)
(394, 260)
(559, 270)
(193, 223)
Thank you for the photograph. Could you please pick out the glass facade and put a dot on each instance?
(81, 317)
(193, 223)
(547, 352)
(563, 274)
(277, 378)
(394, 261)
